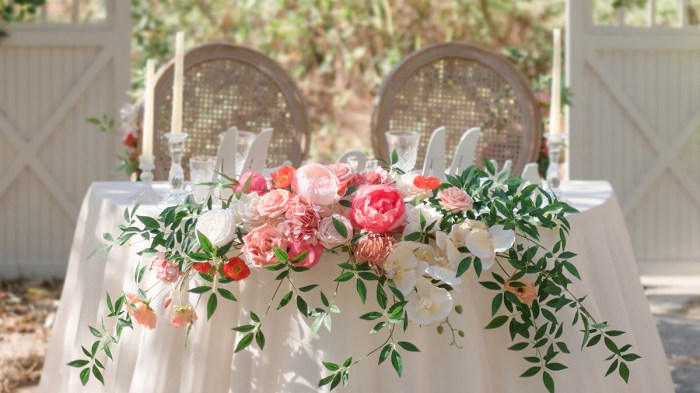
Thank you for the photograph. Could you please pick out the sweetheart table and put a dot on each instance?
(159, 361)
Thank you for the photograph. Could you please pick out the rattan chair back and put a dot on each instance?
(226, 86)
(460, 86)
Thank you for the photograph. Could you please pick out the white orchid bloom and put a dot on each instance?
(482, 242)
(428, 304)
(412, 216)
(403, 267)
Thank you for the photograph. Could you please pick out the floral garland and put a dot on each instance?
(411, 235)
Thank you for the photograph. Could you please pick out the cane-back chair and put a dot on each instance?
(460, 86)
(226, 86)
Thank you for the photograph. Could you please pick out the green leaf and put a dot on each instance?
(308, 288)
(226, 294)
(345, 276)
(556, 366)
(340, 227)
(202, 289)
(281, 255)
(244, 328)
(381, 296)
(85, 376)
(205, 243)
(412, 237)
(371, 316)
(378, 327)
(211, 305)
(531, 371)
(326, 380)
(108, 352)
(463, 266)
(611, 345)
(361, 290)
(612, 368)
(78, 363)
(624, 372)
(260, 339)
(630, 357)
(497, 322)
(98, 375)
(491, 285)
(95, 332)
(245, 341)
(408, 346)
(331, 366)
(548, 382)
(496, 303)
(518, 346)
(490, 168)
(302, 306)
(394, 157)
(384, 354)
(149, 222)
(397, 362)
(285, 299)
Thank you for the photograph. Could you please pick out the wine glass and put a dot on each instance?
(405, 144)
(201, 171)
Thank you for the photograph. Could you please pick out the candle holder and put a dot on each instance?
(176, 176)
(554, 145)
(147, 195)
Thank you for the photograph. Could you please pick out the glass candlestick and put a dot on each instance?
(176, 176)
(147, 195)
(554, 146)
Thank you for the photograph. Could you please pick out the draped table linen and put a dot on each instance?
(158, 360)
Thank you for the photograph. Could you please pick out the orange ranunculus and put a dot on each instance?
(202, 267)
(236, 269)
(426, 183)
(283, 177)
(526, 293)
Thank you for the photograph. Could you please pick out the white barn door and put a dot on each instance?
(635, 121)
(53, 76)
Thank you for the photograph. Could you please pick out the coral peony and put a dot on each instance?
(377, 208)
(236, 269)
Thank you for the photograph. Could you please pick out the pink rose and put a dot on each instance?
(378, 176)
(274, 204)
(455, 199)
(297, 247)
(166, 271)
(377, 208)
(182, 316)
(329, 236)
(316, 183)
(141, 311)
(258, 245)
(257, 184)
(301, 221)
(343, 172)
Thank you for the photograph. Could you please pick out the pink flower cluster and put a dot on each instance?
(317, 206)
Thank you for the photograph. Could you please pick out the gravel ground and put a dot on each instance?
(27, 309)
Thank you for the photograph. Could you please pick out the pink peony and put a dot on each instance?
(182, 316)
(166, 271)
(297, 247)
(257, 184)
(316, 183)
(274, 204)
(328, 234)
(377, 176)
(377, 208)
(343, 172)
(455, 199)
(141, 311)
(373, 248)
(258, 245)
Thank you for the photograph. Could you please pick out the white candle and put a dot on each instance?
(176, 121)
(555, 99)
(147, 140)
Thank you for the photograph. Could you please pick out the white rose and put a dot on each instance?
(412, 215)
(329, 236)
(428, 303)
(245, 210)
(218, 225)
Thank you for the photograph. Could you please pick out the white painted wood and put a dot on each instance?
(434, 163)
(636, 122)
(226, 155)
(531, 173)
(52, 78)
(354, 155)
(466, 150)
(258, 152)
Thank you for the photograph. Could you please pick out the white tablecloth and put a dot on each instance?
(158, 361)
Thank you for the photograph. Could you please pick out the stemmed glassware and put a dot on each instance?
(405, 144)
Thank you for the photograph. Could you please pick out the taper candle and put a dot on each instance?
(147, 140)
(555, 99)
(176, 120)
